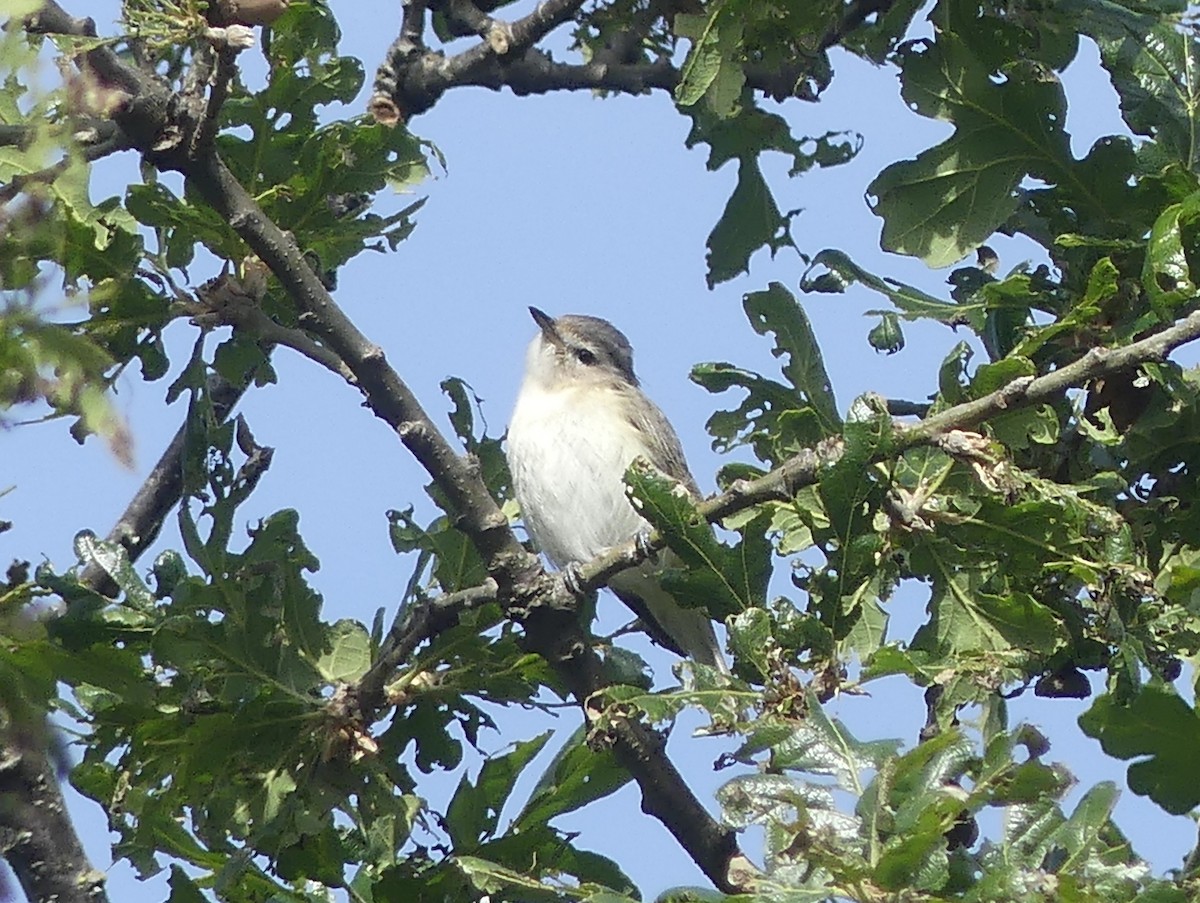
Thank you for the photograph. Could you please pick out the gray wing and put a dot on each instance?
(682, 630)
(663, 447)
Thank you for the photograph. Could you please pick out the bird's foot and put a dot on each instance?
(641, 541)
(573, 580)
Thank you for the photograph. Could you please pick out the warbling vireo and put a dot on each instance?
(579, 422)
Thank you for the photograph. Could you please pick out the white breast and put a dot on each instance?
(568, 455)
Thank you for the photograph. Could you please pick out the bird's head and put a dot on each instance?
(576, 350)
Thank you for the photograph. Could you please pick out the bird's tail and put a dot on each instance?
(685, 631)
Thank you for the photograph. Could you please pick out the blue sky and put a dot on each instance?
(576, 205)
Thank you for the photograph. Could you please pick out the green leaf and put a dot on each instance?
(964, 619)
(751, 639)
(1022, 429)
(751, 220)
(770, 419)
(492, 879)
(576, 776)
(887, 336)
(990, 377)
(722, 579)
(1102, 287)
(711, 69)
(831, 271)
(456, 563)
(1153, 65)
(772, 798)
(848, 489)
(777, 420)
(347, 655)
(868, 632)
(1159, 729)
(183, 888)
(777, 312)
(182, 224)
(474, 810)
(1083, 831)
(824, 746)
(1172, 254)
(114, 560)
(952, 197)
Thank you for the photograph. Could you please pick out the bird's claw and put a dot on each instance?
(573, 580)
(641, 541)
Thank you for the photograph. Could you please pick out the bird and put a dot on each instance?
(579, 421)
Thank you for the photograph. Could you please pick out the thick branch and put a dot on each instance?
(413, 78)
(410, 80)
(139, 524)
(36, 835)
(53, 19)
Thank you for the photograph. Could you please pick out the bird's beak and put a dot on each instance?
(545, 323)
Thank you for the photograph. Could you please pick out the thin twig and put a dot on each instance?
(898, 407)
(227, 306)
(91, 152)
(416, 625)
(226, 69)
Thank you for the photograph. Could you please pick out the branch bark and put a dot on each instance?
(36, 835)
(411, 79)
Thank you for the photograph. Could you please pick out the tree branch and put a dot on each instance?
(225, 70)
(804, 468)
(113, 142)
(530, 595)
(898, 407)
(412, 627)
(410, 79)
(139, 524)
(36, 835)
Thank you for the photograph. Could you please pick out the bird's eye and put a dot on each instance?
(585, 356)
